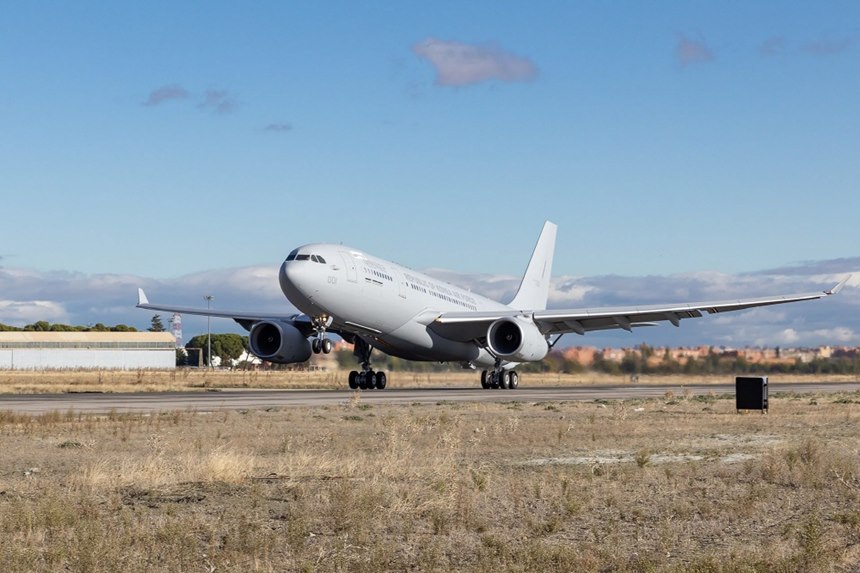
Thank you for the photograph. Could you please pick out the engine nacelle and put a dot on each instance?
(279, 342)
(516, 339)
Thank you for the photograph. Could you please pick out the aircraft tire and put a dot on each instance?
(381, 380)
(485, 382)
(515, 380)
(362, 380)
(325, 346)
(494, 380)
(353, 380)
(371, 379)
(315, 345)
(505, 380)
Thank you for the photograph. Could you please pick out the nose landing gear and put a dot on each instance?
(321, 343)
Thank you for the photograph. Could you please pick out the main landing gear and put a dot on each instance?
(500, 378)
(367, 379)
(320, 343)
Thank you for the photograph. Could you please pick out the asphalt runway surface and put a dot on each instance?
(239, 399)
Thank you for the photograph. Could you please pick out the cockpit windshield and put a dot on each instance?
(295, 256)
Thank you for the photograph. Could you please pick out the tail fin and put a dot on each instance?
(534, 288)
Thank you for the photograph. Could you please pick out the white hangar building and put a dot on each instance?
(87, 350)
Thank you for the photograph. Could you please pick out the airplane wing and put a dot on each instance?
(244, 318)
(465, 326)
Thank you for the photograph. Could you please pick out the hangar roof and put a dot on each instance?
(87, 340)
(33, 336)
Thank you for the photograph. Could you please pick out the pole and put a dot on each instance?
(208, 298)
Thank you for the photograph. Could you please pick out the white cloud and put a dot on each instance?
(689, 51)
(824, 47)
(20, 313)
(166, 93)
(460, 64)
(218, 101)
(786, 337)
(840, 334)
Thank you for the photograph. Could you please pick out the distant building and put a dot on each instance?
(86, 350)
(584, 355)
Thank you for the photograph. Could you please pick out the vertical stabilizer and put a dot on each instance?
(534, 288)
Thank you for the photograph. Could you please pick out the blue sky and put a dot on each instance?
(162, 140)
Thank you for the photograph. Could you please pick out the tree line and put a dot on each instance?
(637, 362)
(230, 347)
(43, 326)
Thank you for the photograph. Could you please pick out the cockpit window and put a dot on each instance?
(295, 256)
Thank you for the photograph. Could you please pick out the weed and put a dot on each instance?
(479, 479)
(70, 444)
(643, 458)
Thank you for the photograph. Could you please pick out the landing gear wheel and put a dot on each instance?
(362, 380)
(370, 379)
(485, 380)
(316, 346)
(515, 380)
(494, 380)
(381, 380)
(353, 380)
(505, 380)
(325, 346)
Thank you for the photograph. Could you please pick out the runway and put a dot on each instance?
(239, 399)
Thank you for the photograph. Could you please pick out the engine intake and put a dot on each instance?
(517, 339)
(279, 342)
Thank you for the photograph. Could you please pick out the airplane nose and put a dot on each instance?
(291, 277)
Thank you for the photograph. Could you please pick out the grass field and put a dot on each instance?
(676, 484)
(189, 378)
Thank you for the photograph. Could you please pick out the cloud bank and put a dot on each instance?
(27, 296)
(459, 64)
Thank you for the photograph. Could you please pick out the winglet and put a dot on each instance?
(141, 297)
(838, 287)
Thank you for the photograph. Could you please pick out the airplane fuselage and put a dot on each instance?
(386, 302)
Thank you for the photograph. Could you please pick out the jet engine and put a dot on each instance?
(279, 342)
(516, 339)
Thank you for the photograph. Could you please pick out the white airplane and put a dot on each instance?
(373, 303)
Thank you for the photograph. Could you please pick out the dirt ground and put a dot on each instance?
(676, 484)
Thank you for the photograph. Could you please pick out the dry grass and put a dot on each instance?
(676, 484)
(56, 381)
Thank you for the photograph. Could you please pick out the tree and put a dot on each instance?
(227, 347)
(157, 325)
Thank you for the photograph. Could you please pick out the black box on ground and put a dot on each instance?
(751, 392)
